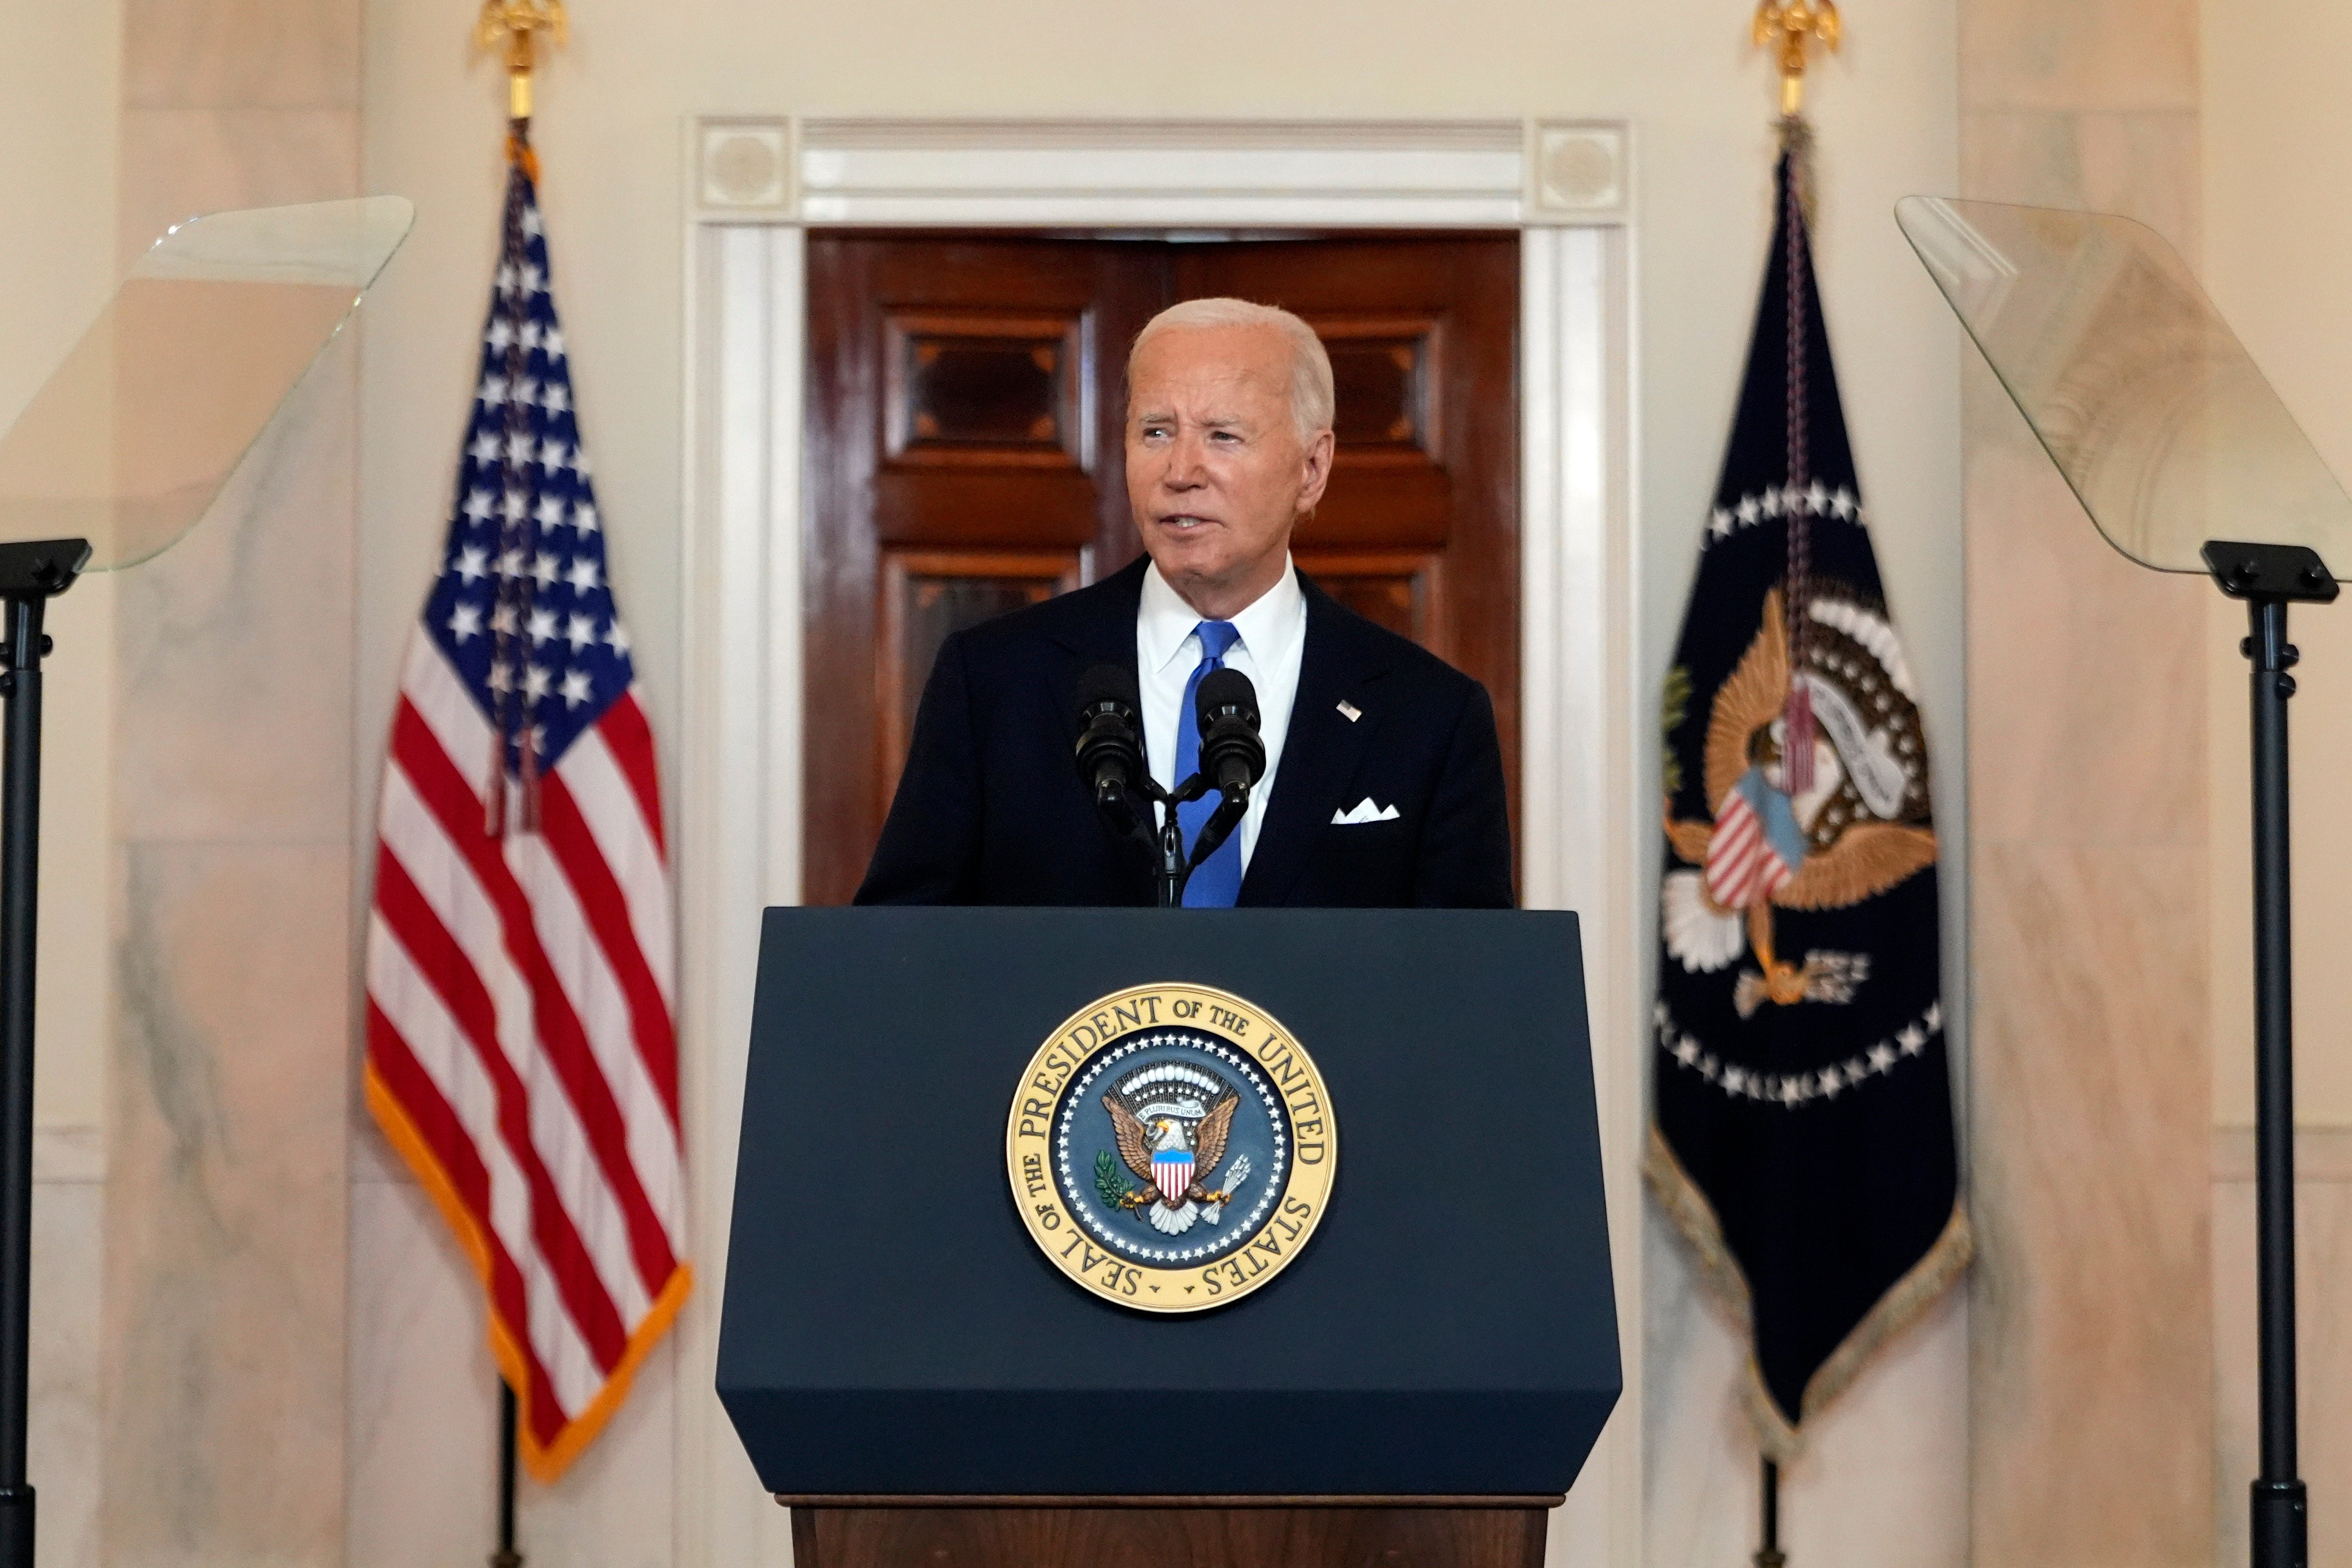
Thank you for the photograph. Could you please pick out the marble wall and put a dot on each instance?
(1884, 1479)
(423, 1423)
(2323, 1198)
(2092, 1387)
(223, 1289)
(62, 1418)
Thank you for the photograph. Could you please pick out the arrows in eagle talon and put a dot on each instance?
(1217, 1201)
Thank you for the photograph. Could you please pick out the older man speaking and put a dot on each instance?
(1383, 783)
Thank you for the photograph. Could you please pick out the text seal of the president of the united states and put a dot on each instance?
(1171, 1147)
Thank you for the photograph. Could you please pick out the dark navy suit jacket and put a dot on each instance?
(991, 810)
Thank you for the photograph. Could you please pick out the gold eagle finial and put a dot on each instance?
(516, 24)
(1791, 23)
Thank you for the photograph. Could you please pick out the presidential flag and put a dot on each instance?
(1803, 1138)
(519, 1048)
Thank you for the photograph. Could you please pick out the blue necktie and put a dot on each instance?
(1218, 880)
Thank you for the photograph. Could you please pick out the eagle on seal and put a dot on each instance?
(1175, 1156)
(1862, 827)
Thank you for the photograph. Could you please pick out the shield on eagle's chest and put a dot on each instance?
(1171, 1173)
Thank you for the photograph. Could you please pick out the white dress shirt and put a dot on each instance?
(1272, 638)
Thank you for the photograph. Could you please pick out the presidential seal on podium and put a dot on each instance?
(1171, 1147)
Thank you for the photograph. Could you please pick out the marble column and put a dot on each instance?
(226, 1248)
(2092, 1410)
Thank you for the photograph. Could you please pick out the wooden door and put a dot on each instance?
(1419, 529)
(963, 458)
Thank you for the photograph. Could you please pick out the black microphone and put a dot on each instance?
(1231, 756)
(1110, 743)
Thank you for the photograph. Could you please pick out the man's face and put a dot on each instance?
(1216, 475)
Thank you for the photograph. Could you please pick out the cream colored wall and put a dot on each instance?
(1700, 99)
(2278, 263)
(612, 105)
(59, 116)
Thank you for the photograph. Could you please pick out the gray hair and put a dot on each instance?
(1311, 397)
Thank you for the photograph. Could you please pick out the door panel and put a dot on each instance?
(963, 444)
(927, 596)
(1402, 590)
(984, 389)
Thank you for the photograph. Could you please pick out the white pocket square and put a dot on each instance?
(1364, 811)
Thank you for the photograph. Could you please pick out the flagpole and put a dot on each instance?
(506, 1556)
(516, 23)
(1769, 1555)
(1789, 25)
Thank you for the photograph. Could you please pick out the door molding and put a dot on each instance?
(754, 187)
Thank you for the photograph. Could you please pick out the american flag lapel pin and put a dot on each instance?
(1349, 711)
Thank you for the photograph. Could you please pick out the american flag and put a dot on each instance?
(520, 1054)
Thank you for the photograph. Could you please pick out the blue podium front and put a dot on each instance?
(899, 1320)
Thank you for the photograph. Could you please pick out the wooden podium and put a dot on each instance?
(915, 1378)
(1168, 1533)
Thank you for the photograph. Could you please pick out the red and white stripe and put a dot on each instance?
(1173, 1178)
(520, 1047)
(1742, 868)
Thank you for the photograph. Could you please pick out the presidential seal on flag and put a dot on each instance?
(1171, 1148)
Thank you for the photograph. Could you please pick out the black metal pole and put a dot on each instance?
(506, 1556)
(1769, 1554)
(2280, 1509)
(20, 847)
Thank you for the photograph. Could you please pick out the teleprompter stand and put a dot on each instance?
(2187, 462)
(914, 1377)
(31, 574)
(118, 453)
(2270, 577)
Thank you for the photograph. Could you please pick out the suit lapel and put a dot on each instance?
(1102, 631)
(1322, 749)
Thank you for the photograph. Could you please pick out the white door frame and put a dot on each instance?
(755, 187)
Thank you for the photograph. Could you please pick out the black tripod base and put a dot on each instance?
(16, 1526)
(2282, 1525)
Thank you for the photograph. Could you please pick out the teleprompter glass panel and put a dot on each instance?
(131, 438)
(2142, 396)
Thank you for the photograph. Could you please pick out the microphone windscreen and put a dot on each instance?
(1108, 683)
(1225, 688)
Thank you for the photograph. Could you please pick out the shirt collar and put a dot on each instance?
(1164, 622)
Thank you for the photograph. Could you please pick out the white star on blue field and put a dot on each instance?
(522, 607)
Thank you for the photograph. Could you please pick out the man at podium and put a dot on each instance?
(1383, 781)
